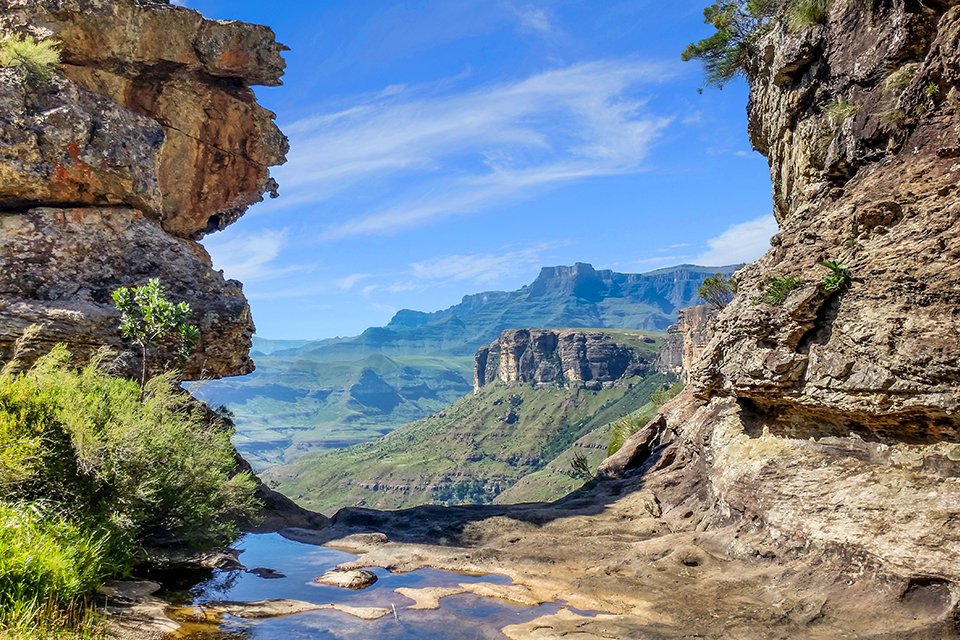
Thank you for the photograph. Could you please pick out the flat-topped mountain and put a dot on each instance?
(332, 393)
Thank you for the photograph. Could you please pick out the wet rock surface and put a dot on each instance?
(347, 579)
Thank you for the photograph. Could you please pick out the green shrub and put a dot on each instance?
(48, 568)
(39, 58)
(803, 14)
(931, 90)
(777, 289)
(838, 276)
(580, 467)
(92, 467)
(839, 112)
(717, 290)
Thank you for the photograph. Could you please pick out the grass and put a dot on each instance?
(778, 289)
(837, 277)
(898, 80)
(803, 14)
(92, 468)
(839, 112)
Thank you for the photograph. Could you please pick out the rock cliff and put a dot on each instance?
(686, 340)
(558, 357)
(146, 138)
(828, 426)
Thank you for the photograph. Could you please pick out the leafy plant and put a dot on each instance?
(91, 468)
(39, 58)
(740, 24)
(840, 111)
(931, 90)
(718, 290)
(802, 14)
(778, 289)
(148, 318)
(837, 277)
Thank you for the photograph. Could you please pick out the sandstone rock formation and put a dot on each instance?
(830, 425)
(686, 339)
(807, 483)
(147, 138)
(558, 357)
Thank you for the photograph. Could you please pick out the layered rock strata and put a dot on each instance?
(829, 425)
(686, 340)
(557, 357)
(146, 138)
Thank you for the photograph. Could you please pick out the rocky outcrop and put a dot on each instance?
(686, 340)
(558, 357)
(829, 426)
(146, 138)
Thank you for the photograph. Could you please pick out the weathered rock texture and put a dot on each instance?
(557, 357)
(830, 426)
(147, 138)
(807, 482)
(686, 340)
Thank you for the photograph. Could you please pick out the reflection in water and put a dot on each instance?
(460, 617)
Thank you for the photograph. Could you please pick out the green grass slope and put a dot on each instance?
(471, 452)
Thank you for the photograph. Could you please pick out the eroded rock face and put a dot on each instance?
(558, 357)
(829, 425)
(147, 137)
(686, 340)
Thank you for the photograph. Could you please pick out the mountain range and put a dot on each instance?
(308, 396)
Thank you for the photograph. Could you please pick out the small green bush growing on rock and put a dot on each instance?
(802, 14)
(839, 112)
(838, 276)
(148, 318)
(39, 58)
(718, 290)
(778, 289)
(931, 90)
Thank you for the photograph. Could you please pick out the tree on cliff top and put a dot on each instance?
(739, 24)
(148, 318)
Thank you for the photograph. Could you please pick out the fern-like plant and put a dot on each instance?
(39, 58)
(778, 289)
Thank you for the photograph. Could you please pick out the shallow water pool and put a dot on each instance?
(460, 617)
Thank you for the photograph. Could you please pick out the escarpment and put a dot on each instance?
(146, 138)
(827, 422)
(558, 357)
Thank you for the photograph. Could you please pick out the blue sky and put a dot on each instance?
(446, 147)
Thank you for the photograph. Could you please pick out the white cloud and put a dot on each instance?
(478, 267)
(348, 282)
(742, 242)
(429, 156)
(249, 256)
(536, 20)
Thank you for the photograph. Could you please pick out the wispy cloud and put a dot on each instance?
(448, 153)
(535, 19)
(742, 242)
(479, 267)
(249, 257)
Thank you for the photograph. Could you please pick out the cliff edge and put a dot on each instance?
(827, 425)
(147, 138)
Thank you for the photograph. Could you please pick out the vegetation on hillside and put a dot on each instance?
(92, 468)
(470, 452)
